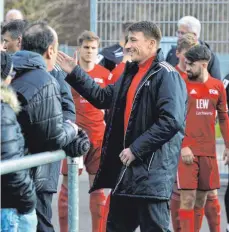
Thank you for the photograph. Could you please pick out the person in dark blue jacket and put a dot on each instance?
(109, 57)
(41, 118)
(144, 131)
(18, 197)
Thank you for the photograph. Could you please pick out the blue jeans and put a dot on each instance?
(12, 221)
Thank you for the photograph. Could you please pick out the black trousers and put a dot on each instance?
(44, 212)
(226, 200)
(126, 214)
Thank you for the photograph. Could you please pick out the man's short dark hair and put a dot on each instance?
(37, 38)
(197, 53)
(149, 29)
(15, 28)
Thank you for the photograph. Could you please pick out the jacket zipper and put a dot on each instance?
(120, 179)
(151, 161)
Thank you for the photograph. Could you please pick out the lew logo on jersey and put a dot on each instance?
(202, 103)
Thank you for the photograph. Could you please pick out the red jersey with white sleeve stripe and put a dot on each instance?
(204, 99)
(88, 117)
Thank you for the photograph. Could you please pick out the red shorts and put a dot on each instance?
(91, 160)
(203, 174)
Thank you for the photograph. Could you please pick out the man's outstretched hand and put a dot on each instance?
(66, 62)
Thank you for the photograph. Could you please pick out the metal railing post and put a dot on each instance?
(93, 16)
(73, 194)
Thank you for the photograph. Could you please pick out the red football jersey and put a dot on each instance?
(88, 117)
(204, 99)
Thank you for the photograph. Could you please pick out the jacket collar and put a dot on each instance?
(9, 97)
(27, 60)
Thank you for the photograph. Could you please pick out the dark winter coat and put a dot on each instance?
(17, 189)
(154, 132)
(41, 117)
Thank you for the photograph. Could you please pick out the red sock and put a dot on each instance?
(97, 203)
(198, 218)
(103, 225)
(186, 220)
(175, 206)
(63, 209)
(212, 212)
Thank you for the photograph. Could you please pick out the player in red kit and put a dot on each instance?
(212, 206)
(198, 170)
(91, 120)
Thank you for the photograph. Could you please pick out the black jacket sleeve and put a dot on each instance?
(171, 105)
(101, 98)
(43, 118)
(68, 105)
(214, 67)
(17, 188)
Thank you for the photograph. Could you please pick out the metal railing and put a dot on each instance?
(35, 160)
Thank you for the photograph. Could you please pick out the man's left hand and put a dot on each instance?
(127, 157)
(226, 156)
(66, 62)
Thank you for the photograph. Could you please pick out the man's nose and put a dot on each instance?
(4, 45)
(128, 45)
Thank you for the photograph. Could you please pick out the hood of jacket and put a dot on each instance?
(26, 60)
(9, 97)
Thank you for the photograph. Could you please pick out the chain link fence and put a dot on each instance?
(213, 15)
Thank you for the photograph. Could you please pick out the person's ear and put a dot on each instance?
(152, 43)
(177, 54)
(19, 41)
(205, 65)
(50, 51)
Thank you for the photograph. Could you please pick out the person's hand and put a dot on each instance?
(126, 56)
(226, 156)
(79, 146)
(127, 157)
(66, 62)
(187, 155)
(74, 125)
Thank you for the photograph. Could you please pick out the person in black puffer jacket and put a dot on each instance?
(17, 189)
(41, 118)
